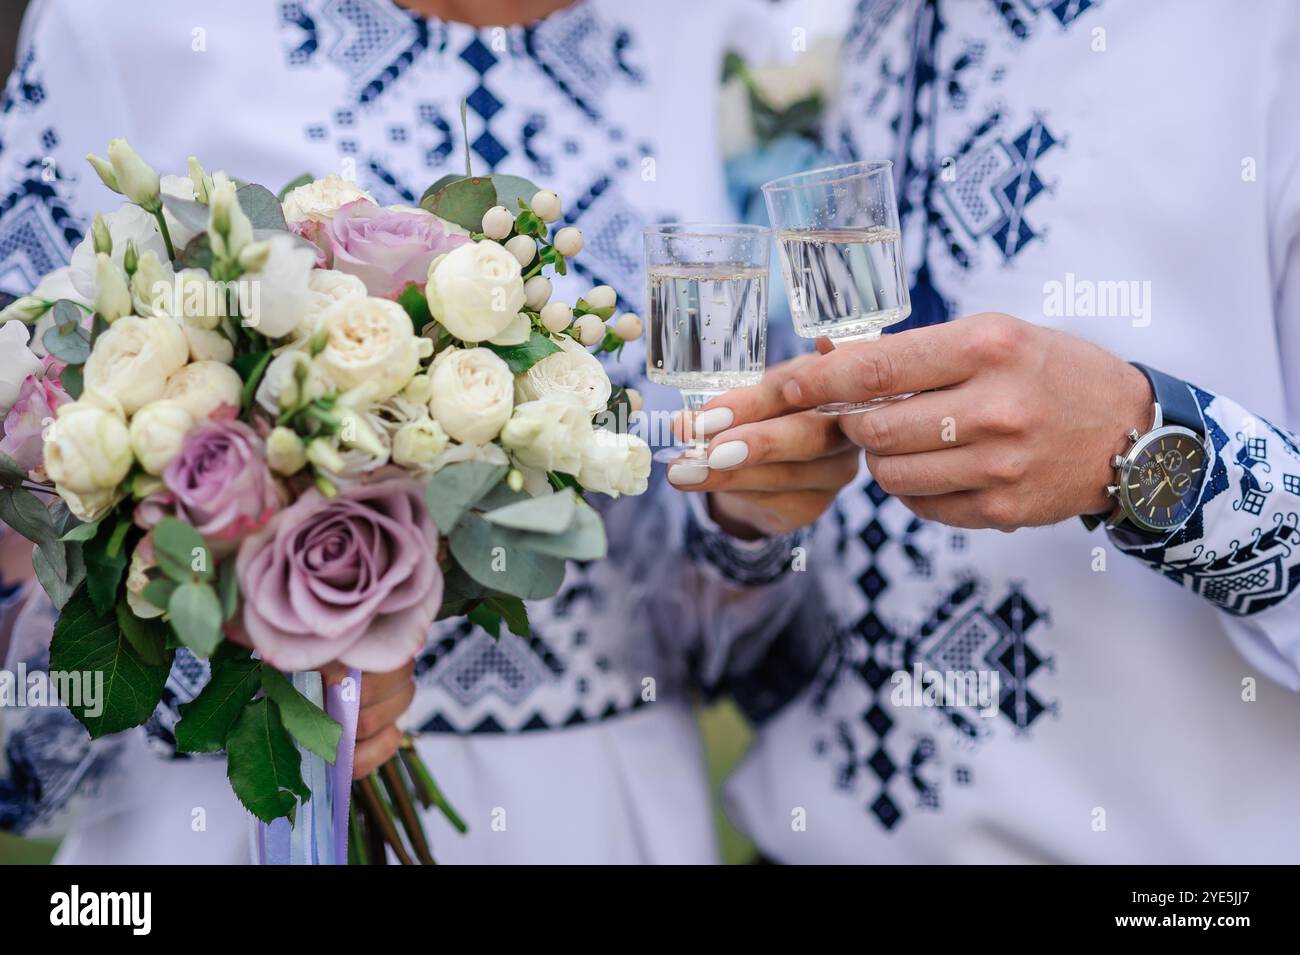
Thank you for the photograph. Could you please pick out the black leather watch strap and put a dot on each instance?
(1177, 404)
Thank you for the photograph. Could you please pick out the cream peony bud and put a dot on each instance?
(516, 333)
(523, 248)
(419, 390)
(475, 291)
(369, 341)
(157, 433)
(568, 241)
(318, 201)
(88, 449)
(112, 291)
(473, 393)
(136, 178)
(634, 400)
(628, 326)
(546, 205)
(285, 452)
(417, 443)
(601, 296)
(614, 463)
(204, 387)
(498, 222)
(557, 316)
(132, 360)
(549, 433)
(537, 292)
(208, 345)
(574, 371)
(590, 329)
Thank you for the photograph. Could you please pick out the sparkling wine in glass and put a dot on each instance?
(841, 255)
(706, 327)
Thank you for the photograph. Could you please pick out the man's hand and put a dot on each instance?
(384, 698)
(772, 468)
(1015, 424)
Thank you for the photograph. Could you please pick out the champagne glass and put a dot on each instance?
(841, 255)
(706, 327)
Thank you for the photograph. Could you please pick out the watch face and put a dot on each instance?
(1161, 478)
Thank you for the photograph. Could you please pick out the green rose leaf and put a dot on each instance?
(87, 641)
(82, 532)
(548, 514)
(206, 720)
(512, 611)
(228, 589)
(263, 765)
(106, 559)
(311, 726)
(522, 357)
(460, 592)
(71, 380)
(182, 553)
(463, 201)
(306, 179)
(457, 487)
(417, 306)
(493, 557)
(148, 638)
(195, 613)
(262, 207)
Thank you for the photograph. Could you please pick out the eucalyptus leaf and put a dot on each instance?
(457, 488)
(87, 641)
(463, 201)
(197, 254)
(10, 473)
(71, 379)
(195, 614)
(23, 511)
(60, 569)
(492, 557)
(182, 552)
(443, 181)
(513, 190)
(264, 767)
(159, 592)
(548, 514)
(311, 726)
(262, 207)
(585, 540)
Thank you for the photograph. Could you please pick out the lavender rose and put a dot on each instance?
(353, 578)
(219, 483)
(386, 248)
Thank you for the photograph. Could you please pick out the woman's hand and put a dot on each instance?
(1012, 425)
(772, 467)
(384, 698)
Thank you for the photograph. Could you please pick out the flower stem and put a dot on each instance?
(380, 815)
(426, 789)
(396, 784)
(166, 234)
(357, 848)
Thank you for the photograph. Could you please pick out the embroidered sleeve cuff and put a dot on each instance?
(747, 563)
(1240, 549)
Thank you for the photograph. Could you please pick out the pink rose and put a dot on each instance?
(385, 248)
(219, 484)
(353, 578)
(39, 396)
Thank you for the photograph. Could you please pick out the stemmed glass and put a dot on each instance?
(706, 325)
(841, 255)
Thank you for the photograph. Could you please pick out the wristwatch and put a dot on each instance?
(1158, 480)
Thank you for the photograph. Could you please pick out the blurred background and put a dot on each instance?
(11, 14)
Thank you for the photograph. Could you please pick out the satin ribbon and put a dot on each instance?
(319, 833)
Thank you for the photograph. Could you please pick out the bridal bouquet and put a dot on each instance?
(288, 432)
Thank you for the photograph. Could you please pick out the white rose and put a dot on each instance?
(781, 85)
(277, 298)
(572, 370)
(157, 432)
(328, 287)
(202, 387)
(208, 346)
(370, 341)
(549, 433)
(91, 506)
(87, 449)
(131, 361)
(417, 444)
(129, 224)
(17, 363)
(614, 463)
(290, 379)
(318, 201)
(473, 393)
(475, 291)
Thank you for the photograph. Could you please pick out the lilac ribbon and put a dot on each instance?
(319, 835)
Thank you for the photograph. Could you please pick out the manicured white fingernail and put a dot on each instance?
(689, 473)
(728, 455)
(713, 421)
